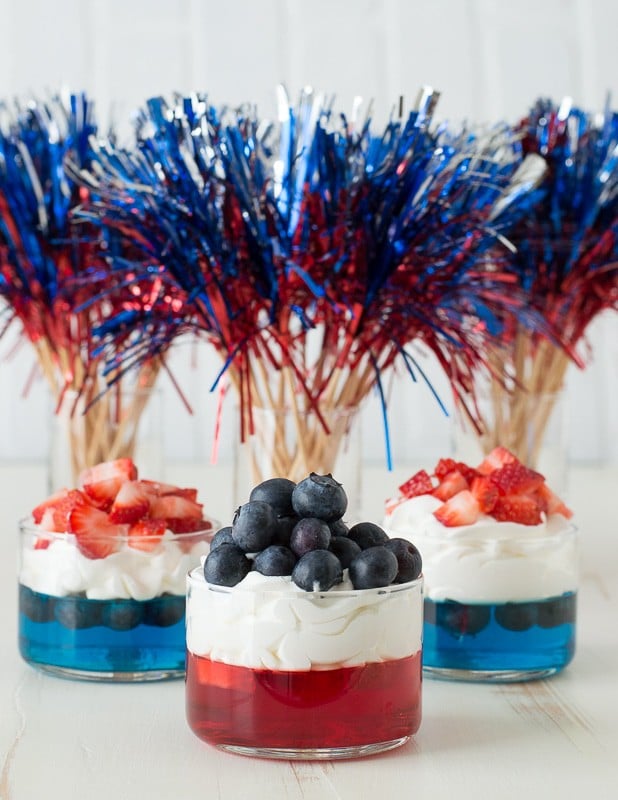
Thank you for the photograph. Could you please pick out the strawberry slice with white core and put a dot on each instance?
(552, 504)
(452, 483)
(95, 535)
(485, 492)
(163, 489)
(174, 507)
(146, 534)
(498, 457)
(102, 482)
(131, 503)
(461, 509)
(52, 514)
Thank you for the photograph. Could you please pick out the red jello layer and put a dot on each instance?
(345, 707)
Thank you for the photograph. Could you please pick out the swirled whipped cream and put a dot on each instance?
(60, 569)
(270, 623)
(488, 561)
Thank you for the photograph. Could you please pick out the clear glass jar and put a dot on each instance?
(117, 618)
(279, 673)
(124, 423)
(500, 605)
(286, 444)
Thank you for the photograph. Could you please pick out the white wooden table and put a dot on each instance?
(68, 740)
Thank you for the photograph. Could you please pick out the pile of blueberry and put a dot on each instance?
(298, 530)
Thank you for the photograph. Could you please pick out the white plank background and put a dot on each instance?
(490, 58)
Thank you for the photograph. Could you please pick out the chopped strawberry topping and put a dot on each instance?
(102, 482)
(173, 507)
(146, 534)
(96, 536)
(516, 479)
(552, 504)
(419, 483)
(517, 508)
(188, 524)
(41, 544)
(163, 489)
(461, 509)
(444, 466)
(452, 483)
(56, 509)
(485, 492)
(498, 457)
(131, 503)
(469, 473)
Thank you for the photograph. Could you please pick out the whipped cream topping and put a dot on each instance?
(60, 569)
(270, 623)
(489, 561)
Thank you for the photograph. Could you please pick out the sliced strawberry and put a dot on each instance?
(469, 473)
(187, 524)
(552, 504)
(498, 457)
(57, 509)
(132, 503)
(419, 483)
(173, 507)
(485, 492)
(102, 482)
(452, 483)
(444, 466)
(146, 534)
(517, 508)
(96, 536)
(41, 544)
(516, 479)
(163, 489)
(461, 509)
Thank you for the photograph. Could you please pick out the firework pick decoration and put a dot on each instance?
(566, 261)
(41, 263)
(314, 252)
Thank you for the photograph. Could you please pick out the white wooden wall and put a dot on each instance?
(490, 58)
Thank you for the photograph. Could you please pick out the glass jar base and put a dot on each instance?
(489, 676)
(316, 753)
(111, 676)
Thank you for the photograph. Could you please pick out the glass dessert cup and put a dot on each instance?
(118, 618)
(503, 610)
(278, 673)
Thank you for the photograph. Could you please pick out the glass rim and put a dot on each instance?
(27, 525)
(195, 577)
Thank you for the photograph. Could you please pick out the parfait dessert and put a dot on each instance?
(102, 576)
(304, 636)
(500, 568)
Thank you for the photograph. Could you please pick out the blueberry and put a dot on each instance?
(557, 611)
(275, 560)
(277, 492)
(516, 616)
(121, 615)
(226, 566)
(345, 549)
(285, 526)
(318, 570)
(460, 619)
(164, 611)
(76, 612)
(373, 567)
(37, 607)
(338, 528)
(254, 526)
(222, 536)
(309, 533)
(320, 496)
(408, 558)
(367, 534)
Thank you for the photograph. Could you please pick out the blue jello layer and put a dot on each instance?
(523, 637)
(103, 636)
